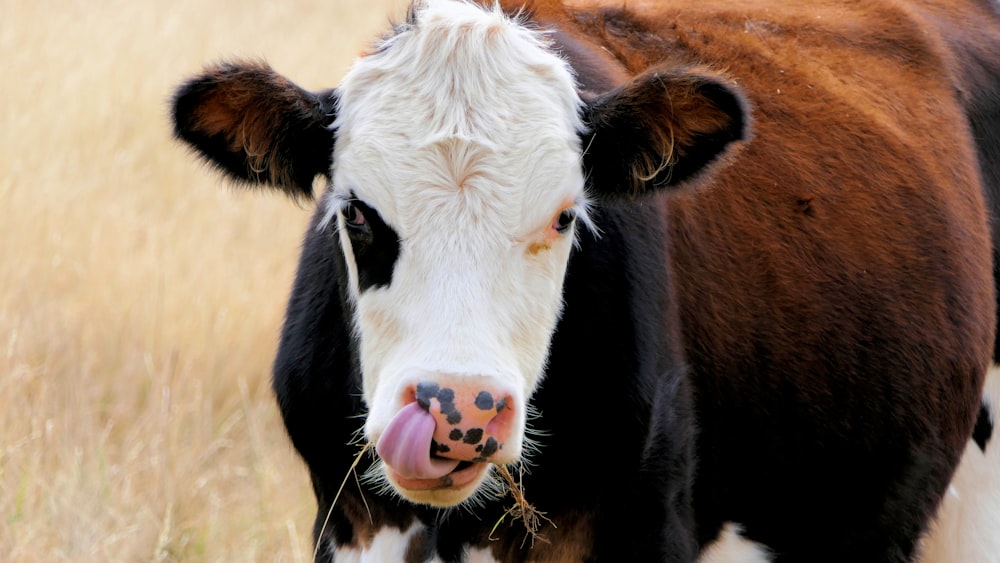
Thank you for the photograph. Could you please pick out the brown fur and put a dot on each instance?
(835, 278)
(567, 543)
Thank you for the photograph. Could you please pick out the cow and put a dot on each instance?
(607, 282)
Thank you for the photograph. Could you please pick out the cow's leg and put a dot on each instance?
(967, 527)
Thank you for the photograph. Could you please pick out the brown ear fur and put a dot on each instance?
(257, 126)
(660, 129)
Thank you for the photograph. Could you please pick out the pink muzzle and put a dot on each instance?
(446, 422)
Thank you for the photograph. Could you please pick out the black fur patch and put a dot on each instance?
(376, 249)
(984, 428)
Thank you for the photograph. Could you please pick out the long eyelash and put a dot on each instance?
(334, 205)
(583, 207)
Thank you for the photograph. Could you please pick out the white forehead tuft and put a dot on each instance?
(462, 56)
(460, 70)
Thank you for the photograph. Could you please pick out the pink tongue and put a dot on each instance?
(405, 446)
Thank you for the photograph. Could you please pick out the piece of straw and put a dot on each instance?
(532, 518)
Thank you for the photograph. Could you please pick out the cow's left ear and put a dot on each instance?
(257, 126)
(660, 129)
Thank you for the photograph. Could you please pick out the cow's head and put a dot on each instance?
(458, 155)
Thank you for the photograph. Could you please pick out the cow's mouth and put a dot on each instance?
(410, 454)
(464, 474)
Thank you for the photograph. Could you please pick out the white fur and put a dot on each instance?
(479, 556)
(462, 131)
(732, 547)
(389, 544)
(967, 527)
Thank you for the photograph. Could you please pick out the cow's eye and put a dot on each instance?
(353, 216)
(565, 220)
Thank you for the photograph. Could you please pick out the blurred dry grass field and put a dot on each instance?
(140, 299)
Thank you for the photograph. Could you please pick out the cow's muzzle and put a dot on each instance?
(447, 431)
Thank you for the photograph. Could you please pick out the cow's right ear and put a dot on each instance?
(257, 126)
(661, 129)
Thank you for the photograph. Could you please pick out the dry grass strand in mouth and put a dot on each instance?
(350, 471)
(523, 510)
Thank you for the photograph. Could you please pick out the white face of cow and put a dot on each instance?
(457, 184)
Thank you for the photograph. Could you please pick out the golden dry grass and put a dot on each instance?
(140, 300)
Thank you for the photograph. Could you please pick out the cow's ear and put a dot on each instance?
(257, 126)
(660, 129)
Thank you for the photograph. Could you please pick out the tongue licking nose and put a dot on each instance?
(445, 425)
(406, 445)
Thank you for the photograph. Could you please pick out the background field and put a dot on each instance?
(140, 298)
